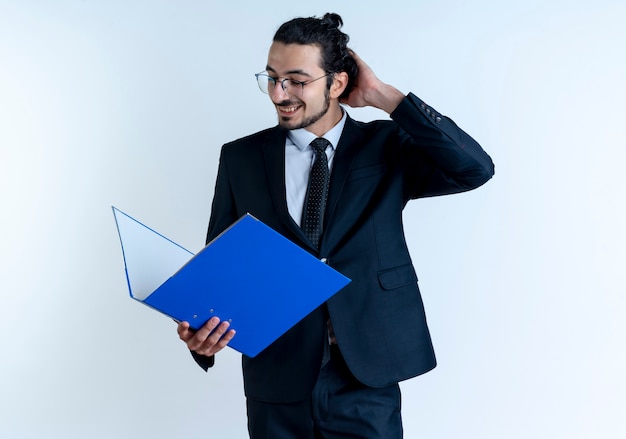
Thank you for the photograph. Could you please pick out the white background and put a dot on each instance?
(129, 102)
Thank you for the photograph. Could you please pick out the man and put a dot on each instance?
(336, 373)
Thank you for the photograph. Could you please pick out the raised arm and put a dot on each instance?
(369, 91)
(460, 163)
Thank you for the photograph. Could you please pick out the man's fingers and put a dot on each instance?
(184, 331)
(210, 348)
(216, 334)
(209, 339)
(207, 328)
(212, 337)
(226, 338)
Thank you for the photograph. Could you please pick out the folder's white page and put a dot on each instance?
(150, 258)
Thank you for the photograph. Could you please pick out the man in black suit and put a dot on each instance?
(336, 373)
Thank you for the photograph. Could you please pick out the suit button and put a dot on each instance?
(324, 260)
(437, 119)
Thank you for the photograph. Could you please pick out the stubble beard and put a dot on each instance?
(308, 121)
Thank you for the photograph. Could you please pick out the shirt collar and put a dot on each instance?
(302, 138)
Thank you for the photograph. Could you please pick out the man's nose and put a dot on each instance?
(278, 93)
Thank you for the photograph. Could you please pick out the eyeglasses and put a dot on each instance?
(267, 84)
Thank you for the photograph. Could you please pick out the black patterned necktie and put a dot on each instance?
(317, 193)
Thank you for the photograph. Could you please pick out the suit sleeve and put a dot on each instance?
(450, 160)
(203, 361)
(223, 210)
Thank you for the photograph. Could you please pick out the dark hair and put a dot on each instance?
(333, 43)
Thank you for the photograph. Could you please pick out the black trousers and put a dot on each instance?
(340, 407)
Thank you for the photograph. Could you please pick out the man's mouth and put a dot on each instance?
(288, 109)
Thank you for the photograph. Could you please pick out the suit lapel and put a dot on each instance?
(274, 156)
(349, 144)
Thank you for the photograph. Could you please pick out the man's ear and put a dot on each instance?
(340, 82)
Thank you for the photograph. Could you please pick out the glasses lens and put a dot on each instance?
(293, 88)
(266, 83)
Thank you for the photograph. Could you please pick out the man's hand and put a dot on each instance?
(209, 339)
(369, 91)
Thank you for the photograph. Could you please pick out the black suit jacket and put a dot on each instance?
(378, 319)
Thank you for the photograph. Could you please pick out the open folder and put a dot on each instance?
(250, 275)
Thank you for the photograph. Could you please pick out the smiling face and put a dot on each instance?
(317, 107)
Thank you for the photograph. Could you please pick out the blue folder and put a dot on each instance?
(250, 275)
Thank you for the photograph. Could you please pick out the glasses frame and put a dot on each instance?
(275, 80)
